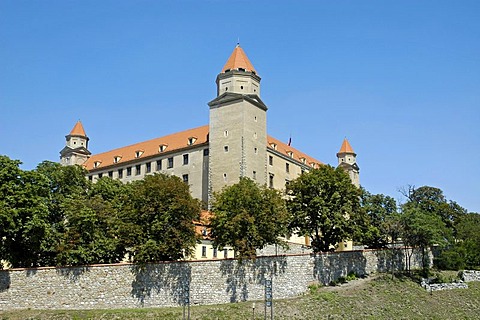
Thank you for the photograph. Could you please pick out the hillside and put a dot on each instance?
(373, 298)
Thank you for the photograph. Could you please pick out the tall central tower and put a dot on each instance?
(238, 125)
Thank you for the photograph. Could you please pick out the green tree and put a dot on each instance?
(422, 229)
(432, 200)
(24, 227)
(324, 204)
(379, 210)
(248, 217)
(65, 184)
(91, 226)
(464, 252)
(158, 219)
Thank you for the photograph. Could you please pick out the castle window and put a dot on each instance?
(97, 164)
(287, 182)
(204, 251)
(120, 173)
(270, 160)
(287, 167)
(185, 159)
(270, 180)
(225, 133)
(255, 118)
(255, 135)
(148, 167)
(185, 178)
(100, 175)
(191, 140)
(255, 150)
(254, 175)
(138, 153)
(159, 165)
(170, 163)
(224, 177)
(206, 152)
(215, 252)
(241, 87)
(162, 147)
(129, 171)
(225, 253)
(110, 174)
(90, 178)
(117, 159)
(138, 169)
(225, 148)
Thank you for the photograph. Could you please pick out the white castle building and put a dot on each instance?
(233, 144)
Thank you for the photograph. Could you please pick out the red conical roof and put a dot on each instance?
(238, 59)
(346, 147)
(78, 130)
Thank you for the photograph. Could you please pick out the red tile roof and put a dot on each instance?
(179, 141)
(238, 59)
(346, 147)
(78, 130)
(148, 148)
(291, 152)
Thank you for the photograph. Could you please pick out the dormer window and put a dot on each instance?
(312, 164)
(191, 140)
(273, 145)
(290, 154)
(97, 164)
(138, 153)
(162, 147)
(304, 161)
(117, 159)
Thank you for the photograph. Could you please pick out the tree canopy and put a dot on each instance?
(324, 204)
(379, 226)
(248, 217)
(159, 219)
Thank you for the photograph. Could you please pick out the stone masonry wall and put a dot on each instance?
(165, 284)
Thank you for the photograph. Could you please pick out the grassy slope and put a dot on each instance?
(379, 298)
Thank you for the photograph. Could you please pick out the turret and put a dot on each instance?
(76, 149)
(238, 75)
(347, 159)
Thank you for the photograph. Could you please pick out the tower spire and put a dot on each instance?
(238, 60)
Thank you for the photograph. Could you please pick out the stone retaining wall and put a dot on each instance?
(165, 284)
(471, 275)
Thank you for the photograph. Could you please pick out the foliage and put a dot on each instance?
(24, 227)
(158, 219)
(91, 226)
(464, 252)
(380, 225)
(432, 200)
(248, 217)
(324, 204)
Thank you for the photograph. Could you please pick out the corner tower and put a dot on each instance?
(238, 125)
(76, 149)
(347, 159)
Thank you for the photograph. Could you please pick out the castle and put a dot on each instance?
(234, 144)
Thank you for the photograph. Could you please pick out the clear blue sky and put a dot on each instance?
(399, 79)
